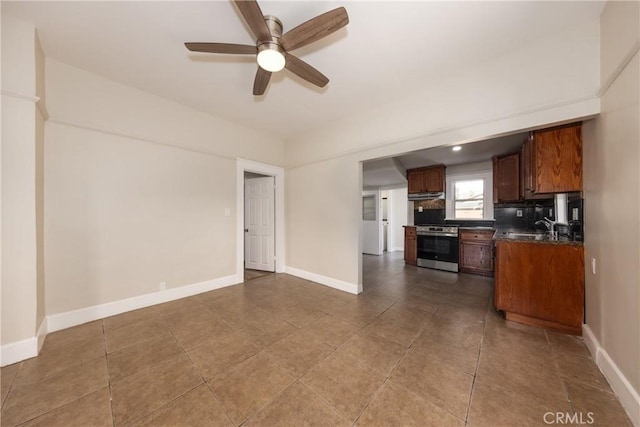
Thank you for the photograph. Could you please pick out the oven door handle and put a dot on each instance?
(426, 233)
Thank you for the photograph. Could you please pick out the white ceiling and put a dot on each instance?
(390, 172)
(388, 50)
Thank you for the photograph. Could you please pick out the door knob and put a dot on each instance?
(246, 230)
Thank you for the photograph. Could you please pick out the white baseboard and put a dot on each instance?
(17, 351)
(68, 319)
(396, 249)
(43, 330)
(341, 285)
(629, 397)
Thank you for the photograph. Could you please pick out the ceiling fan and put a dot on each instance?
(272, 47)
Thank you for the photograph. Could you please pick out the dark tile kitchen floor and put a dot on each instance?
(417, 347)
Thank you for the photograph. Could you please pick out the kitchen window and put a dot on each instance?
(469, 196)
(468, 199)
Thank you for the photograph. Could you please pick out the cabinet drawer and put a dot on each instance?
(409, 231)
(480, 235)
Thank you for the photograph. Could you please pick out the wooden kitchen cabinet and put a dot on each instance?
(426, 180)
(410, 246)
(552, 161)
(541, 284)
(506, 178)
(476, 252)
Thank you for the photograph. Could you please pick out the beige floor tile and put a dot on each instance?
(31, 400)
(603, 407)
(221, 353)
(376, 352)
(197, 407)
(345, 383)
(448, 352)
(455, 332)
(61, 358)
(71, 336)
(191, 334)
(493, 405)
(510, 337)
(7, 376)
(182, 304)
(526, 373)
(297, 406)
(401, 325)
(299, 315)
(267, 331)
(141, 356)
(117, 339)
(332, 330)
(570, 344)
(138, 395)
(396, 406)
(299, 351)
(130, 317)
(359, 313)
(250, 386)
(581, 369)
(437, 382)
(91, 410)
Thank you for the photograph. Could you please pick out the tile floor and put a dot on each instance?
(418, 347)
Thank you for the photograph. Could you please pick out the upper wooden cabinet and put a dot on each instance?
(553, 160)
(426, 180)
(550, 161)
(506, 178)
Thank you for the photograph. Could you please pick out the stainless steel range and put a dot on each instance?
(438, 247)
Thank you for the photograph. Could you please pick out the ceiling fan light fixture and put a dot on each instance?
(271, 57)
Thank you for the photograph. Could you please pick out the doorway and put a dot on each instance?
(265, 186)
(259, 222)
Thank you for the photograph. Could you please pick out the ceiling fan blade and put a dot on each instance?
(300, 68)
(261, 81)
(315, 29)
(252, 14)
(222, 48)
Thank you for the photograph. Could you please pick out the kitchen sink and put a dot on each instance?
(525, 235)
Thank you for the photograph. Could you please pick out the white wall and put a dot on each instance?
(612, 208)
(398, 216)
(136, 191)
(21, 208)
(553, 80)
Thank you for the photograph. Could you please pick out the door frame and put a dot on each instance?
(242, 166)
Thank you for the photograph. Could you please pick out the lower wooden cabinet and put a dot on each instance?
(541, 284)
(410, 246)
(476, 252)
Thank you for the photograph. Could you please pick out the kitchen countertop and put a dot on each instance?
(476, 228)
(529, 236)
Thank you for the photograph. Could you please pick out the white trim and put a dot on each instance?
(21, 96)
(18, 351)
(68, 319)
(395, 249)
(43, 330)
(242, 166)
(486, 176)
(628, 396)
(620, 68)
(341, 285)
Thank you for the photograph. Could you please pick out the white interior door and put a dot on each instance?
(259, 223)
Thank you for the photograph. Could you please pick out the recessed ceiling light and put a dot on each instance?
(457, 148)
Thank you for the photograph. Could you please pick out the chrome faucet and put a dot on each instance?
(550, 225)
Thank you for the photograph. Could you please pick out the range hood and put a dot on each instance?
(426, 196)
